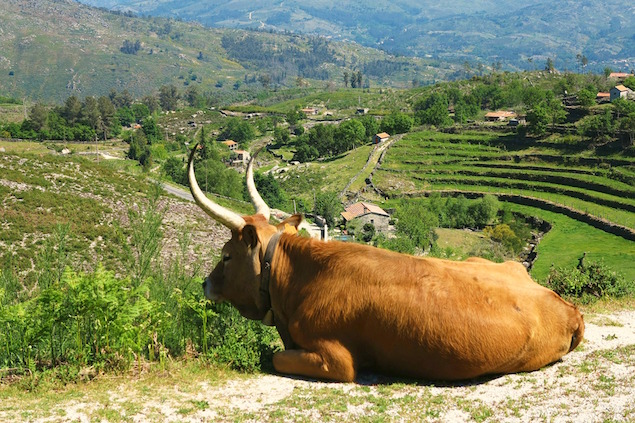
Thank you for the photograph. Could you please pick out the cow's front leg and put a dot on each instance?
(333, 362)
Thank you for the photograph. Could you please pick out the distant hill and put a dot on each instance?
(517, 34)
(51, 49)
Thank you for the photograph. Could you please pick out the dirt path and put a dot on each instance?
(370, 165)
(594, 383)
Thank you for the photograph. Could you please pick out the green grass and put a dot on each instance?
(438, 161)
(569, 239)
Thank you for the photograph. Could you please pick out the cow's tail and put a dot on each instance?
(578, 332)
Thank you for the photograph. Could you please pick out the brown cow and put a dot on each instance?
(340, 307)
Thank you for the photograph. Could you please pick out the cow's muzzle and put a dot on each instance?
(209, 293)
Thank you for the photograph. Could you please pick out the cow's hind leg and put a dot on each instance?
(333, 363)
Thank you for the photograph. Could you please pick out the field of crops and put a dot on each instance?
(601, 188)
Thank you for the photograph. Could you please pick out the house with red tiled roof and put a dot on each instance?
(310, 111)
(620, 75)
(367, 213)
(602, 96)
(499, 116)
(231, 144)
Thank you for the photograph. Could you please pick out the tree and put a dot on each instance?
(328, 206)
(346, 79)
(292, 117)
(305, 153)
(151, 130)
(281, 136)
(484, 211)
(265, 80)
(90, 113)
(269, 189)
(368, 232)
(322, 137)
(396, 123)
(38, 115)
(537, 120)
(358, 75)
(622, 107)
(582, 59)
(151, 102)
(598, 127)
(139, 149)
(371, 125)
(586, 98)
(193, 97)
(627, 125)
(123, 99)
(108, 117)
(549, 66)
(433, 110)
(168, 97)
(126, 116)
(140, 111)
(416, 222)
(505, 235)
(533, 96)
(238, 130)
(175, 169)
(130, 47)
(349, 134)
(464, 110)
(556, 111)
(72, 110)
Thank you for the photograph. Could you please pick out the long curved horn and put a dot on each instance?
(232, 220)
(256, 199)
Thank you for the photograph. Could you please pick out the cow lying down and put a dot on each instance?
(340, 307)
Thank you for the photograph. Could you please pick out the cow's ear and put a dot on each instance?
(290, 224)
(250, 236)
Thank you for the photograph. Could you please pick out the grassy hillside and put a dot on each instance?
(50, 50)
(46, 194)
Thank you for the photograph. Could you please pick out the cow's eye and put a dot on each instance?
(226, 258)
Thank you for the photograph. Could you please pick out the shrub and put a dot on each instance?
(589, 282)
(400, 244)
(504, 234)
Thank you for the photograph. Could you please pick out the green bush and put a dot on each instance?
(589, 282)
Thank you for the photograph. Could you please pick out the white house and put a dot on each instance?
(381, 137)
(620, 91)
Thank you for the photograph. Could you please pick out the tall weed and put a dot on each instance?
(70, 320)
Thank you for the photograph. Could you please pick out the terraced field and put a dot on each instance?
(599, 191)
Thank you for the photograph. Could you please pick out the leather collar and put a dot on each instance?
(265, 277)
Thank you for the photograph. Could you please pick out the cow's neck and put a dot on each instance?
(265, 278)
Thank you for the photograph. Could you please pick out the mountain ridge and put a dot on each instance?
(481, 32)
